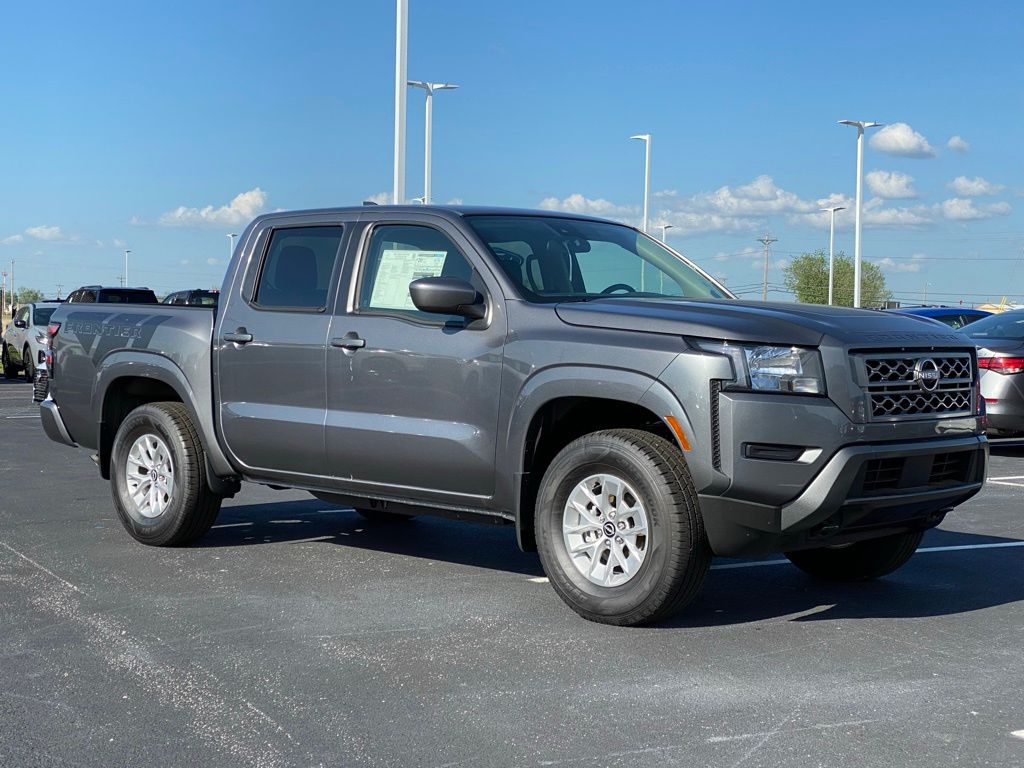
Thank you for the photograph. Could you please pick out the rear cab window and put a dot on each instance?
(298, 267)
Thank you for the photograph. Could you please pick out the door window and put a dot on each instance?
(396, 255)
(297, 268)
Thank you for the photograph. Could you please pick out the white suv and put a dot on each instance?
(24, 341)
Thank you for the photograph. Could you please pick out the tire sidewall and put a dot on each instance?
(597, 456)
(157, 530)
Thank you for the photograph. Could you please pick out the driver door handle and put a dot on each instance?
(240, 336)
(350, 341)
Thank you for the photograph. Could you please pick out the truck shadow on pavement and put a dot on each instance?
(931, 584)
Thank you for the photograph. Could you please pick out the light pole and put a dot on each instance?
(401, 47)
(126, 252)
(231, 244)
(860, 125)
(831, 243)
(646, 139)
(664, 231)
(428, 130)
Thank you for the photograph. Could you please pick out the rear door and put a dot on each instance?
(16, 336)
(270, 349)
(412, 397)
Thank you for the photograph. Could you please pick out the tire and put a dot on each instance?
(862, 561)
(654, 486)
(188, 511)
(28, 364)
(10, 372)
(380, 516)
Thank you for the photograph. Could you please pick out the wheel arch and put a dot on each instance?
(129, 379)
(561, 404)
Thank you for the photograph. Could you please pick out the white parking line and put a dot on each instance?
(1005, 482)
(922, 550)
(1011, 477)
(1018, 734)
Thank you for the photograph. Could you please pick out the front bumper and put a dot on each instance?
(53, 424)
(862, 491)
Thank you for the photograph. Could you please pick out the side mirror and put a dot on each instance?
(20, 324)
(447, 296)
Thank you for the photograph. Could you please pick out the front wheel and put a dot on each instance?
(619, 529)
(29, 363)
(10, 372)
(861, 561)
(158, 477)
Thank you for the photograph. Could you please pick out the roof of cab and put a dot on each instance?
(448, 211)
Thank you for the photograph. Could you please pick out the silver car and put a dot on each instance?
(1000, 340)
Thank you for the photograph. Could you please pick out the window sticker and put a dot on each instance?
(396, 270)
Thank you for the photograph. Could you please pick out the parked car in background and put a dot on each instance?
(98, 294)
(24, 341)
(1000, 340)
(954, 317)
(194, 298)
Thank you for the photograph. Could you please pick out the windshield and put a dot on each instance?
(42, 315)
(554, 259)
(1009, 325)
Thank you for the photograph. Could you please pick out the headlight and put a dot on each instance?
(769, 368)
(42, 338)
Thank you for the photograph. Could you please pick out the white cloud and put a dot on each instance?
(957, 144)
(455, 201)
(119, 243)
(891, 185)
(877, 214)
(214, 262)
(242, 208)
(12, 240)
(380, 198)
(185, 262)
(963, 209)
(901, 139)
(972, 187)
(892, 265)
(43, 232)
(577, 203)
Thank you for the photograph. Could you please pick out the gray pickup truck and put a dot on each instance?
(569, 376)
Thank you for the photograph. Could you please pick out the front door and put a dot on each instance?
(271, 351)
(412, 397)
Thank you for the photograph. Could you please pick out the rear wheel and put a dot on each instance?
(158, 477)
(619, 529)
(862, 561)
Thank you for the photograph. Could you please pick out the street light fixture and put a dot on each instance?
(860, 125)
(831, 243)
(664, 231)
(126, 252)
(646, 138)
(428, 130)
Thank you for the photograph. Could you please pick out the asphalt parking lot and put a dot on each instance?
(295, 634)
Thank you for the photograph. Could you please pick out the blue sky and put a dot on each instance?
(162, 127)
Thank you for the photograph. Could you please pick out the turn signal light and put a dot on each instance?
(1004, 365)
(51, 331)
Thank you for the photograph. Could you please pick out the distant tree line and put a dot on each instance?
(807, 277)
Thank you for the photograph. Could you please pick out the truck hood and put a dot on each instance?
(766, 322)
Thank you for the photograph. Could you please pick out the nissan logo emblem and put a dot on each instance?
(927, 374)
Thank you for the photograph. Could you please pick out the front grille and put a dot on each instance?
(40, 385)
(903, 385)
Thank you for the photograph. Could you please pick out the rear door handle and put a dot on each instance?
(350, 341)
(240, 336)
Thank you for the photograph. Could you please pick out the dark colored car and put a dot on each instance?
(1000, 340)
(566, 375)
(98, 294)
(194, 298)
(954, 317)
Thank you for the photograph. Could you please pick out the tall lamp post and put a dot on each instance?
(231, 244)
(126, 252)
(664, 231)
(831, 244)
(646, 139)
(401, 48)
(428, 129)
(860, 125)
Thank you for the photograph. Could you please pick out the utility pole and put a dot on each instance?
(401, 78)
(59, 286)
(860, 125)
(766, 241)
(831, 245)
(3, 294)
(14, 291)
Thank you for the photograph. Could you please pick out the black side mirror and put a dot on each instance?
(447, 296)
(20, 324)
